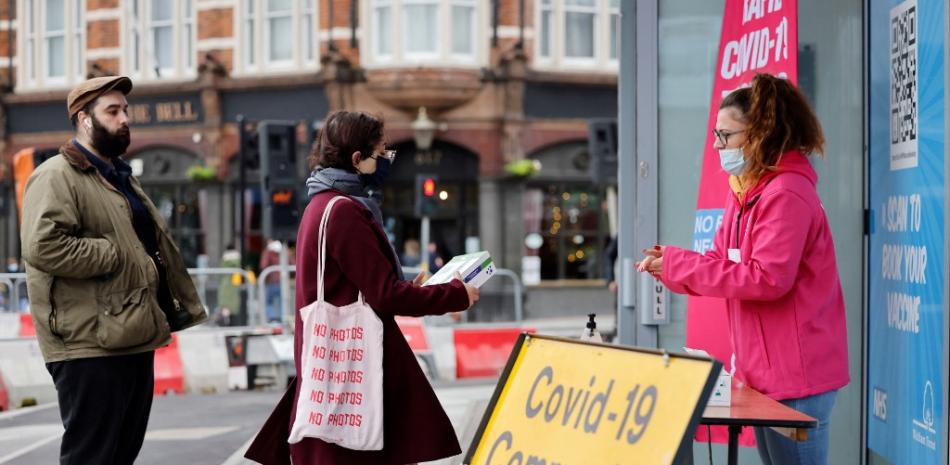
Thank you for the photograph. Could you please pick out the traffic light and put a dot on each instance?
(602, 146)
(277, 144)
(426, 198)
(250, 155)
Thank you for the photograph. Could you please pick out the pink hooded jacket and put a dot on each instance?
(783, 298)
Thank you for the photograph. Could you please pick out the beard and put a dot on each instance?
(108, 144)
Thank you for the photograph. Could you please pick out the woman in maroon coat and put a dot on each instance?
(360, 258)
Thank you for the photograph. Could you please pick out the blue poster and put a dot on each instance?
(906, 256)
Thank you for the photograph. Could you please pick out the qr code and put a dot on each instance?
(903, 42)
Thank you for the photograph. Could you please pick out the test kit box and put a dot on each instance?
(721, 395)
(722, 392)
(475, 269)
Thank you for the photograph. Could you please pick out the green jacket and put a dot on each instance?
(91, 284)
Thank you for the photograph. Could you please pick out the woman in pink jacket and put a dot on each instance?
(773, 261)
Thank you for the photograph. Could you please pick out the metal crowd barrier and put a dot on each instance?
(286, 304)
(256, 295)
(13, 283)
(518, 289)
(286, 300)
(201, 278)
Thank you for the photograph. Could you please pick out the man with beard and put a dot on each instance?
(107, 284)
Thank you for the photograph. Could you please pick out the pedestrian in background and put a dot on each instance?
(435, 259)
(360, 259)
(229, 289)
(107, 284)
(272, 297)
(773, 260)
(411, 254)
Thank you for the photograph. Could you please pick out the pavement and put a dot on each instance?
(209, 429)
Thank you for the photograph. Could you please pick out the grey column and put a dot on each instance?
(216, 220)
(490, 225)
(637, 176)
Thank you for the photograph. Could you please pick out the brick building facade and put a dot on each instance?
(504, 80)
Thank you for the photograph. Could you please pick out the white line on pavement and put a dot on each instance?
(186, 434)
(30, 448)
(237, 458)
(25, 410)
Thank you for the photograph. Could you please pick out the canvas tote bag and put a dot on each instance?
(341, 368)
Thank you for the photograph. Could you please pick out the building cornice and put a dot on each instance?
(153, 88)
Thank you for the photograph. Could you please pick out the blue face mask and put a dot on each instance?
(732, 161)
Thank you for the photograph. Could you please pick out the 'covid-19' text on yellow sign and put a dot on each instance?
(570, 403)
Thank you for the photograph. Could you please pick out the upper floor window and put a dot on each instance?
(425, 31)
(278, 34)
(53, 44)
(577, 33)
(161, 38)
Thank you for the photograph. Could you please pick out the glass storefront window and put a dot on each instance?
(180, 208)
(571, 229)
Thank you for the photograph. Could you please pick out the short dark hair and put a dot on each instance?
(343, 133)
(86, 109)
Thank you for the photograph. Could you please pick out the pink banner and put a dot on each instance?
(758, 36)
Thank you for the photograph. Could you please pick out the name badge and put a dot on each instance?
(735, 255)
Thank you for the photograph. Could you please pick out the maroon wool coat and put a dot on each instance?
(415, 427)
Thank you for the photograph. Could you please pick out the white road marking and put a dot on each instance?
(186, 434)
(237, 458)
(26, 410)
(46, 433)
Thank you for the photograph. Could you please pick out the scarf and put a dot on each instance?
(324, 179)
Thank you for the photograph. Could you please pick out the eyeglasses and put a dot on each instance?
(723, 136)
(387, 154)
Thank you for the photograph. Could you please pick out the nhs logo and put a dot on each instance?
(879, 397)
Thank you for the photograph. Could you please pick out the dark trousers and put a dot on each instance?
(104, 403)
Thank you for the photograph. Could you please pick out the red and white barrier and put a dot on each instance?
(4, 396)
(26, 326)
(24, 373)
(169, 373)
(483, 352)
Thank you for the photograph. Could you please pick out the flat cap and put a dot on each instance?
(92, 89)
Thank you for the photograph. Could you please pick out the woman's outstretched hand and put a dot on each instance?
(652, 261)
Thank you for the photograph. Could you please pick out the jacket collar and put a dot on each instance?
(81, 158)
(75, 157)
(794, 162)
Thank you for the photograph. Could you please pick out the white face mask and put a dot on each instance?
(732, 161)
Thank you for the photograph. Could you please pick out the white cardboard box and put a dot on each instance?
(475, 269)
(721, 395)
(722, 392)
